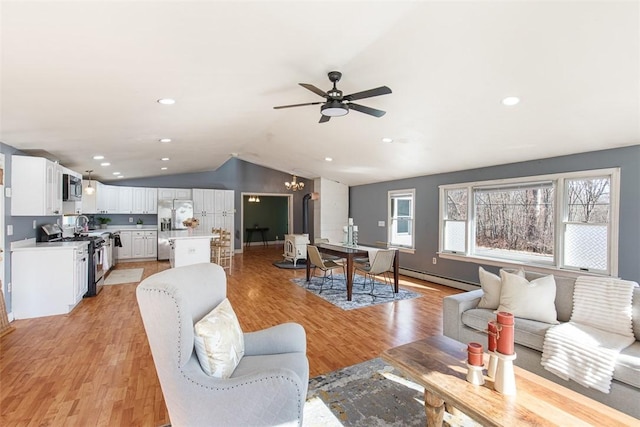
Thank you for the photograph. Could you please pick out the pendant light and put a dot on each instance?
(89, 190)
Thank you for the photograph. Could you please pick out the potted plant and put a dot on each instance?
(139, 223)
(103, 221)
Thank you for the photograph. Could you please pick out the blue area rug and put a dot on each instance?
(337, 294)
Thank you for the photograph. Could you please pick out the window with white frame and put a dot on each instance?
(558, 221)
(401, 218)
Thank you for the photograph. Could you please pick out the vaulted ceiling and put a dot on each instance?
(82, 78)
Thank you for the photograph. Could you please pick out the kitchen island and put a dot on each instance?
(188, 246)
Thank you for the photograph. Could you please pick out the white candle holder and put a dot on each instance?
(505, 379)
(492, 367)
(474, 374)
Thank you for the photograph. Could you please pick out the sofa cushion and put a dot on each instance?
(492, 287)
(533, 300)
(529, 333)
(628, 365)
(219, 341)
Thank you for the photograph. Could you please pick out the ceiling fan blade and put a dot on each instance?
(382, 90)
(313, 89)
(324, 119)
(366, 110)
(297, 105)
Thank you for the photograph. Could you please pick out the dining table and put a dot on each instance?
(350, 252)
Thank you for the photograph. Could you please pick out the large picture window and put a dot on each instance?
(401, 221)
(560, 221)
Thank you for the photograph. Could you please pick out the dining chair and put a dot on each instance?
(327, 266)
(381, 265)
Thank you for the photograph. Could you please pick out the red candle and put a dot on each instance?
(474, 351)
(493, 332)
(505, 333)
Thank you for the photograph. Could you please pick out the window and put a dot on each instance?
(401, 221)
(558, 221)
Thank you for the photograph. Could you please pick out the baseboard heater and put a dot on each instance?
(441, 280)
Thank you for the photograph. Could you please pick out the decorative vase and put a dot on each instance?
(137, 226)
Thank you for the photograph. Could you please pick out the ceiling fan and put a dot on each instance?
(338, 105)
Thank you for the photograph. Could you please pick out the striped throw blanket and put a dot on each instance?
(586, 348)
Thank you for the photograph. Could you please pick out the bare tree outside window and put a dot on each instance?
(517, 220)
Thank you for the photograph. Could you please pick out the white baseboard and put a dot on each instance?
(439, 280)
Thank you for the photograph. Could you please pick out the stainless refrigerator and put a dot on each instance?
(171, 213)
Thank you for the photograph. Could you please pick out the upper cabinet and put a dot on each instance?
(112, 199)
(174, 193)
(145, 200)
(36, 187)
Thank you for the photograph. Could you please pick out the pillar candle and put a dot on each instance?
(474, 351)
(505, 333)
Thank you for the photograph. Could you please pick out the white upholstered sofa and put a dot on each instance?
(268, 386)
(464, 322)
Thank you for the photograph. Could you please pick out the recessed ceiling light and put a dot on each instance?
(116, 173)
(166, 101)
(165, 140)
(328, 159)
(98, 157)
(164, 168)
(165, 159)
(120, 176)
(387, 139)
(510, 101)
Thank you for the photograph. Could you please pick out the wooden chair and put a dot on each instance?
(221, 248)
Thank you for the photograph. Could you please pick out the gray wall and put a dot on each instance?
(237, 175)
(368, 205)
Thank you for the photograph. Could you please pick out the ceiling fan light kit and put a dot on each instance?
(336, 104)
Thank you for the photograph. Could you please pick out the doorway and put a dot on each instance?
(271, 211)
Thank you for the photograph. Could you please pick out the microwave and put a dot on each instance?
(71, 188)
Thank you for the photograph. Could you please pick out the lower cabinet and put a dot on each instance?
(138, 244)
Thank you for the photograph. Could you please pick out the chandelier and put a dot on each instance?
(294, 184)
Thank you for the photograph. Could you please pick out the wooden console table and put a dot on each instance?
(439, 364)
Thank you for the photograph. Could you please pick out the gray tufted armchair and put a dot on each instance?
(269, 385)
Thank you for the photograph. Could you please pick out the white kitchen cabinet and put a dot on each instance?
(144, 244)
(36, 186)
(56, 286)
(112, 198)
(125, 200)
(225, 211)
(138, 244)
(174, 193)
(124, 251)
(204, 201)
(145, 200)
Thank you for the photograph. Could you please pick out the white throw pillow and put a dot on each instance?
(492, 288)
(219, 341)
(533, 300)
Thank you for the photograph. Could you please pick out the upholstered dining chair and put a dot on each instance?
(269, 383)
(380, 266)
(327, 266)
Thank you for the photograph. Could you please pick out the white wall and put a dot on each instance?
(331, 210)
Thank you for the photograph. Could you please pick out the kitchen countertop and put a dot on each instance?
(186, 234)
(31, 245)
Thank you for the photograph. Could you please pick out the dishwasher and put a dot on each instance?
(108, 251)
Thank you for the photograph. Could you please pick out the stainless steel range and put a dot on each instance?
(53, 233)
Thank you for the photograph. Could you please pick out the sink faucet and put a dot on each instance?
(86, 223)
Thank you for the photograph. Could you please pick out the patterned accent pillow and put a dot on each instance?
(219, 341)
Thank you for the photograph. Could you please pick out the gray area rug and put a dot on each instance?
(301, 263)
(369, 394)
(336, 294)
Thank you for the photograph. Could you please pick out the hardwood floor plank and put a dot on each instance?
(93, 366)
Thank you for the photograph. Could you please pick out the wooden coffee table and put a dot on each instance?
(439, 364)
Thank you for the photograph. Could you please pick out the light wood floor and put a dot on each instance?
(93, 366)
